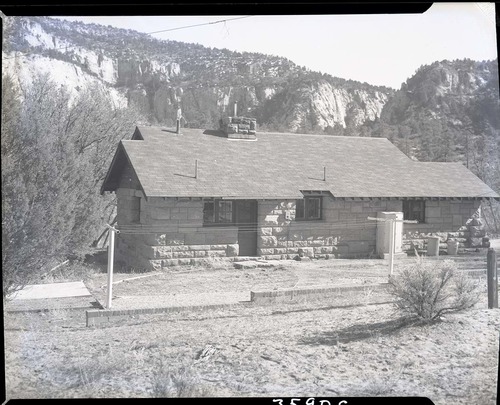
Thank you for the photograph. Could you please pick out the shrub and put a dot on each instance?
(183, 382)
(429, 289)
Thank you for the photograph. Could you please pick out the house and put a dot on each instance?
(185, 197)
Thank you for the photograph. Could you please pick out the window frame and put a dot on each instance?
(412, 214)
(135, 210)
(305, 202)
(217, 211)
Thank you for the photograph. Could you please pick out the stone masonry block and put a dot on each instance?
(432, 212)
(356, 207)
(232, 250)
(395, 206)
(316, 242)
(174, 239)
(431, 203)
(271, 220)
(156, 264)
(195, 213)
(219, 236)
(184, 262)
(336, 204)
(332, 215)
(179, 248)
(308, 251)
(183, 254)
(268, 231)
(457, 234)
(160, 213)
(359, 247)
(267, 241)
(164, 252)
(457, 220)
(195, 238)
(218, 247)
(278, 230)
(180, 215)
(216, 253)
(296, 236)
(199, 247)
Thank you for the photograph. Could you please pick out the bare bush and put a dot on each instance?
(428, 289)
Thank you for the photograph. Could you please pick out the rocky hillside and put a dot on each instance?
(158, 75)
(447, 111)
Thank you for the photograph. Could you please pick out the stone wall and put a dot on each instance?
(458, 220)
(343, 232)
(170, 232)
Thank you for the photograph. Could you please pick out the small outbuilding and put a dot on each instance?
(186, 197)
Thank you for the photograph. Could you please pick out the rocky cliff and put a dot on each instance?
(156, 76)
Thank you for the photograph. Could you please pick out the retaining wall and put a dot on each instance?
(262, 297)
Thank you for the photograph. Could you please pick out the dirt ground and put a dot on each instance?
(337, 346)
(194, 280)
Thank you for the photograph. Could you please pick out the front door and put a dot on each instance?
(246, 221)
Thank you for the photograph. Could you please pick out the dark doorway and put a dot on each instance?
(246, 221)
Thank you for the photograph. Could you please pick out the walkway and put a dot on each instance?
(53, 290)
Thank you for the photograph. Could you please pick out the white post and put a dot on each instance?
(392, 238)
(111, 259)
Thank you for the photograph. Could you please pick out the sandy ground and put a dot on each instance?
(184, 286)
(338, 346)
(302, 349)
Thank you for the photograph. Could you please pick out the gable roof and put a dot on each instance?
(281, 165)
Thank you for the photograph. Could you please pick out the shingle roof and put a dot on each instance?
(279, 165)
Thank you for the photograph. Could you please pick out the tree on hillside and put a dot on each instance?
(57, 150)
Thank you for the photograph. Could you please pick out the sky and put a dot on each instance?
(380, 49)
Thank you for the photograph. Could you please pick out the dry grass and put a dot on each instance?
(310, 348)
(181, 382)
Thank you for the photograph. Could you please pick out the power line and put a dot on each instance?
(147, 33)
(199, 25)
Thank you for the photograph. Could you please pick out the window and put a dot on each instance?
(308, 208)
(218, 212)
(414, 210)
(135, 209)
